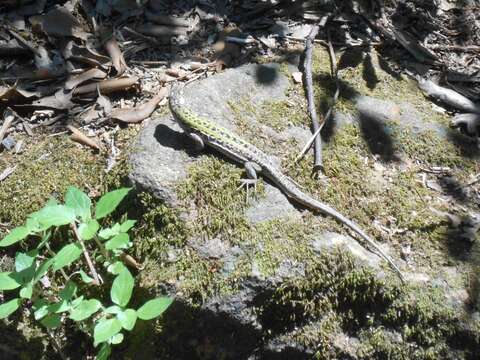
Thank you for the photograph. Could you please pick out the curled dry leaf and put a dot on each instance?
(107, 86)
(84, 54)
(448, 96)
(61, 100)
(141, 112)
(80, 137)
(92, 74)
(14, 94)
(59, 22)
(112, 48)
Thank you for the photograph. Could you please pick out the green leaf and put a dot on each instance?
(116, 339)
(122, 288)
(104, 352)
(109, 202)
(105, 329)
(119, 241)
(40, 308)
(114, 309)
(59, 307)
(8, 281)
(67, 255)
(79, 202)
(17, 234)
(85, 309)
(127, 318)
(85, 278)
(26, 291)
(51, 321)
(54, 215)
(25, 260)
(127, 225)
(116, 267)
(68, 291)
(153, 308)
(88, 230)
(9, 307)
(109, 232)
(77, 301)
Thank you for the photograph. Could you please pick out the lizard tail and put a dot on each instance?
(293, 192)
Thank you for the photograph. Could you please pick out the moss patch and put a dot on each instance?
(45, 170)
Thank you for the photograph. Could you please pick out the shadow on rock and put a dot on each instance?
(174, 139)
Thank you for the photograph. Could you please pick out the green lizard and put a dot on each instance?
(204, 132)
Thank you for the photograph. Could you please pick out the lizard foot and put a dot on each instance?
(247, 183)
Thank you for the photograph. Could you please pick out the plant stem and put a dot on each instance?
(96, 279)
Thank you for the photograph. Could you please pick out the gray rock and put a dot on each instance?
(330, 240)
(273, 205)
(162, 152)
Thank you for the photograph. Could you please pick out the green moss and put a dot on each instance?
(45, 170)
(213, 186)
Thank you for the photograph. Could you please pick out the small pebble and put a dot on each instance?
(9, 143)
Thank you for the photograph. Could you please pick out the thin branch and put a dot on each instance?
(334, 70)
(317, 163)
(96, 279)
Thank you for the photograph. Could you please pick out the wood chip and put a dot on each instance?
(7, 172)
(297, 77)
(80, 137)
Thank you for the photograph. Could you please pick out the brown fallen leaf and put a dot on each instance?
(81, 138)
(14, 94)
(84, 54)
(75, 80)
(141, 112)
(61, 100)
(111, 46)
(107, 86)
(59, 22)
(167, 20)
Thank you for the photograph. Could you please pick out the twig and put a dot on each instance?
(327, 116)
(6, 124)
(317, 163)
(96, 279)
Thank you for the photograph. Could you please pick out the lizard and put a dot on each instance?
(207, 133)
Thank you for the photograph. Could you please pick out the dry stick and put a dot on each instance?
(317, 163)
(333, 64)
(56, 345)
(96, 280)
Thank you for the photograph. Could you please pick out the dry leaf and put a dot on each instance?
(141, 112)
(59, 22)
(74, 81)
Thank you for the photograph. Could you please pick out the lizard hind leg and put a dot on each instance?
(198, 141)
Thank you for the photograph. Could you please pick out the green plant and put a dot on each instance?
(49, 280)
